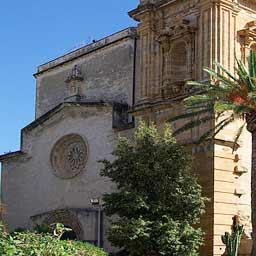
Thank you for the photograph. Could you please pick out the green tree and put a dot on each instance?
(226, 98)
(158, 201)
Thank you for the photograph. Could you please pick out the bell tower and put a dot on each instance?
(177, 38)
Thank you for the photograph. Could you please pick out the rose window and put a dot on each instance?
(69, 156)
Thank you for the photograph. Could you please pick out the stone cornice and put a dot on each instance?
(146, 7)
(47, 116)
(10, 155)
(227, 3)
(60, 107)
(126, 33)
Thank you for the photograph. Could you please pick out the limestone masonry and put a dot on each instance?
(87, 97)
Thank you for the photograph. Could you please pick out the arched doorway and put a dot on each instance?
(69, 235)
(69, 220)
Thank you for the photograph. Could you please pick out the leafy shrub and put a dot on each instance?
(158, 202)
(34, 244)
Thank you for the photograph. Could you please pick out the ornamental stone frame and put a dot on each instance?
(177, 44)
(69, 156)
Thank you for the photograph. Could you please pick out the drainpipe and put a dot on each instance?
(99, 227)
(134, 70)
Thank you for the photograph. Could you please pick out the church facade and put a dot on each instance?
(86, 98)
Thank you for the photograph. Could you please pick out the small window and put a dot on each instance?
(121, 118)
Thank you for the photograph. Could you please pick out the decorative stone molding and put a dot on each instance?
(247, 39)
(179, 30)
(76, 74)
(69, 156)
(177, 61)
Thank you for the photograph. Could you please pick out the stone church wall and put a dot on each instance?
(40, 191)
(106, 67)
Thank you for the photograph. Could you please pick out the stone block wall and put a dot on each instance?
(106, 66)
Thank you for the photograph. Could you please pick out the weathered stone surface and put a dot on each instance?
(176, 40)
(106, 71)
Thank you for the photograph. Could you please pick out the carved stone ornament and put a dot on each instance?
(76, 74)
(182, 28)
(247, 39)
(69, 156)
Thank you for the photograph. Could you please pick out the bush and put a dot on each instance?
(34, 244)
(158, 202)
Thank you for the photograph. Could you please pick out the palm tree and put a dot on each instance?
(225, 99)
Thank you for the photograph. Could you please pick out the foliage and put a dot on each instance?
(42, 229)
(34, 244)
(232, 241)
(158, 201)
(226, 98)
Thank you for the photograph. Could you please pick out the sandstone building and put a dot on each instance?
(87, 97)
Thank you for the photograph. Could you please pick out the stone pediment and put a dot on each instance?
(61, 109)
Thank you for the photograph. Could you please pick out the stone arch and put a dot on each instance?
(68, 219)
(179, 61)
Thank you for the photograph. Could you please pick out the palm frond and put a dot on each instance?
(252, 63)
(238, 135)
(242, 69)
(212, 132)
(230, 92)
(226, 71)
(244, 76)
(219, 77)
(194, 123)
(198, 99)
(207, 135)
(192, 114)
(240, 110)
(223, 124)
(223, 106)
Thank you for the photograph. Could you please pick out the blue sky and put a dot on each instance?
(34, 32)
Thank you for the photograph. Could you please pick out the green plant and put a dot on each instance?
(158, 201)
(34, 244)
(222, 100)
(232, 241)
(42, 229)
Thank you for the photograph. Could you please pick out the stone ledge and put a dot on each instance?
(11, 155)
(130, 32)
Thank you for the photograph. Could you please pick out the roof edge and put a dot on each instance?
(130, 32)
(11, 155)
(58, 108)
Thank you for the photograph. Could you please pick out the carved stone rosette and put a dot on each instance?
(69, 156)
